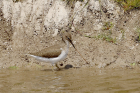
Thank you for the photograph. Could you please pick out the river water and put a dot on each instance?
(74, 80)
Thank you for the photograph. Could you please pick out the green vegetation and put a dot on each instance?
(108, 25)
(133, 64)
(126, 4)
(104, 37)
(13, 67)
(129, 4)
(107, 29)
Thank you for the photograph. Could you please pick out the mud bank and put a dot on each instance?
(102, 32)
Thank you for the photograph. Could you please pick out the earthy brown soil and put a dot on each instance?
(125, 52)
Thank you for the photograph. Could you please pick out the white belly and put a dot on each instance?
(61, 57)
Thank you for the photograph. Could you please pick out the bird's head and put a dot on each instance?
(66, 36)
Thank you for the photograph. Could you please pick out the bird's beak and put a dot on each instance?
(71, 42)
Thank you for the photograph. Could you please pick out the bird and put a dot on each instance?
(55, 53)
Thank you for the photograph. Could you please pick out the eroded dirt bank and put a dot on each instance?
(103, 33)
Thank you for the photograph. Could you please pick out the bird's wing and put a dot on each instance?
(50, 52)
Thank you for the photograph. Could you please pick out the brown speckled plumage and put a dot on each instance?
(50, 52)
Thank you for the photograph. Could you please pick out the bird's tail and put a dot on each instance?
(42, 59)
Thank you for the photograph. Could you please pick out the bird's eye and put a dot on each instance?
(67, 37)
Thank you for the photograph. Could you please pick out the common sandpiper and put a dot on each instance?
(55, 53)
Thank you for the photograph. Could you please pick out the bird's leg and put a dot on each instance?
(57, 66)
(52, 68)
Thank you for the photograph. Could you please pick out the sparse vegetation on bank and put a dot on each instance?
(105, 37)
(126, 4)
(129, 4)
(107, 32)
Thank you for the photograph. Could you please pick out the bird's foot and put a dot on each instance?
(57, 67)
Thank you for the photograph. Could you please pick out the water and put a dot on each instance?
(80, 80)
